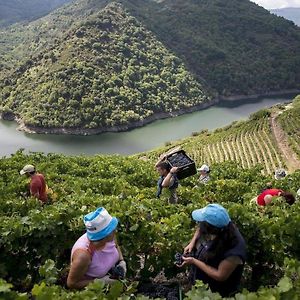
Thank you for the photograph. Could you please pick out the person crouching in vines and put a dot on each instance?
(96, 253)
(217, 252)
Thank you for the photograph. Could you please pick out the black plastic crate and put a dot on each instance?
(186, 165)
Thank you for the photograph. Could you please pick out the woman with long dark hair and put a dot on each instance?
(217, 251)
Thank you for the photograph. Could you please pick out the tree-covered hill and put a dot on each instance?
(108, 71)
(231, 47)
(237, 46)
(13, 11)
(290, 13)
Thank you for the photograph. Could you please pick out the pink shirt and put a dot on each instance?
(102, 260)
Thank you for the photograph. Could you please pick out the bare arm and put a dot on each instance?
(225, 268)
(268, 199)
(120, 252)
(192, 243)
(80, 263)
(168, 180)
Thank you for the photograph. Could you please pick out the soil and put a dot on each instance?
(281, 137)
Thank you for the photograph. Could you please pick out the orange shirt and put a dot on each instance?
(38, 187)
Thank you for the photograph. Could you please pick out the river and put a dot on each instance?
(137, 140)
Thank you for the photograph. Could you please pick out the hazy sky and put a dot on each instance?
(277, 3)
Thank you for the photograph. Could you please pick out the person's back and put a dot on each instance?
(38, 187)
(271, 192)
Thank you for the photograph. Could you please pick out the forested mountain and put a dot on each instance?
(108, 71)
(290, 13)
(235, 45)
(13, 11)
(229, 47)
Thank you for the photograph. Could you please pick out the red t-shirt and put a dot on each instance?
(38, 187)
(261, 197)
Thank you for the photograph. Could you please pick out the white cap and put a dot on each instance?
(204, 168)
(27, 169)
(280, 174)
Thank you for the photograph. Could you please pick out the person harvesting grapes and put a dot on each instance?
(204, 171)
(267, 196)
(37, 186)
(167, 180)
(96, 253)
(217, 251)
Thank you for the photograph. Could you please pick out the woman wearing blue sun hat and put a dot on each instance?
(96, 253)
(217, 251)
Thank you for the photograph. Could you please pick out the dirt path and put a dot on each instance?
(289, 155)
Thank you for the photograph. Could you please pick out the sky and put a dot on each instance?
(268, 4)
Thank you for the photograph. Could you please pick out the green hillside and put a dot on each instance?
(108, 71)
(32, 234)
(249, 143)
(236, 46)
(191, 50)
(14, 11)
(289, 13)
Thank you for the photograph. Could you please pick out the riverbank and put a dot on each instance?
(146, 121)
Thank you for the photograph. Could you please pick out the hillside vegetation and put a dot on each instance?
(108, 71)
(198, 49)
(290, 122)
(149, 228)
(14, 11)
(248, 143)
(290, 13)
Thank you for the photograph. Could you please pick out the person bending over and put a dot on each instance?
(96, 253)
(267, 196)
(217, 251)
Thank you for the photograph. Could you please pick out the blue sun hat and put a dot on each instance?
(99, 224)
(214, 214)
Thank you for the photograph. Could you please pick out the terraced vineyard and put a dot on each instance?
(248, 143)
(290, 122)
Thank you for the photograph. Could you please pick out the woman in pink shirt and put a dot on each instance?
(96, 253)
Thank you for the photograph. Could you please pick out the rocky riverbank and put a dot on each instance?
(93, 131)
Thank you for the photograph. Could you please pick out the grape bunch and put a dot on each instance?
(179, 160)
(178, 258)
(117, 272)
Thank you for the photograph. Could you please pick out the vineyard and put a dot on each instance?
(290, 120)
(247, 143)
(36, 240)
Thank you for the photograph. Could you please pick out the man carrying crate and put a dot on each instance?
(168, 179)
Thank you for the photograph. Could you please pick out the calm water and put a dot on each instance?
(137, 140)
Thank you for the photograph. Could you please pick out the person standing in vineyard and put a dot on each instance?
(217, 252)
(37, 186)
(204, 174)
(266, 197)
(168, 180)
(96, 253)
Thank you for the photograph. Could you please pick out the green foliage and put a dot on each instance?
(26, 10)
(236, 46)
(290, 120)
(109, 71)
(33, 236)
